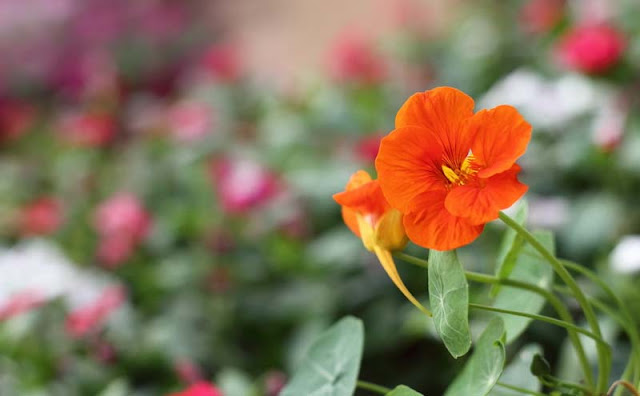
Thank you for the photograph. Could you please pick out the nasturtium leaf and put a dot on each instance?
(531, 268)
(510, 248)
(485, 365)
(402, 390)
(449, 299)
(332, 364)
(518, 373)
(539, 366)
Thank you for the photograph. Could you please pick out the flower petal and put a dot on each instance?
(366, 199)
(408, 165)
(445, 111)
(351, 220)
(481, 204)
(500, 137)
(430, 225)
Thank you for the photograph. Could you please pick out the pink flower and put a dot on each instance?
(591, 48)
(539, 16)
(90, 317)
(242, 184)
(122, 215)
(15, 119)
(87, 129)
(200, 389)
(222, 62)
(353, 59)
(189, 121)
(21, 302)
(115, 250)
(41, 217)
(367, 148)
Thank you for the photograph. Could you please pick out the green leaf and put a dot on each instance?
(402, 390)
(539, 366)
(510, 248)
(449, 298)
(485, 365)
(531, 268)
(332, 364)
(518, 373)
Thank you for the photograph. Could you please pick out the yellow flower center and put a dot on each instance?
(460, 176)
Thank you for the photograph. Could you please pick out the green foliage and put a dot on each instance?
(539, 366)
(332, 363)
(518, 372)
(485, 365)
(402, 390)
(449, 298)
(532, 268)
(510, 248)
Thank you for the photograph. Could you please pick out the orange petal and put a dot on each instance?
(445, 111)
(430, 225)
(349, 215)
(408, 165)
(386, 260)
(481, 204)
(366, 199)
(501, 136)
(350, 219)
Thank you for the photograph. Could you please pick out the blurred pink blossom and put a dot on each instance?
(89, 317)
(222, 62)
(189, 121)
(122, 214)
(591, 48)
(21, 302)
(200, 389)
(242, 184)
(41, 217)
(367, 148)
(87, 129)
(540, 16)
(115, 250)
(353, 59)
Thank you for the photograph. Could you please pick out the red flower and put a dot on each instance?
(591, 48)
(88, 318)
(199, 389)
(88, 129)
(448, 170)
(41, 217)
(222, 62)
(367, 148)
(353, 59)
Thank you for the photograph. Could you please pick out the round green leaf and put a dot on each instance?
(402, 390)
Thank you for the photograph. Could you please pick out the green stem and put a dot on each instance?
(602, 349)
(542, 318)
(555, 302)
(373, 387)
(519, 389)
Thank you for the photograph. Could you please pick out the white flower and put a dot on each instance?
(625, 257)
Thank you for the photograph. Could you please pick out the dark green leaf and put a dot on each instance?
(449, 298)
(510, 248)
(531, 268)
(485, 365)
(403, 390)
(518, 373)
(539, 366)
(332, 364)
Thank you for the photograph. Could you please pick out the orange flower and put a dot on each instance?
(368, 214)
(448, 170)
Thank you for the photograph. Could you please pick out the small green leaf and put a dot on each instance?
(540, 367)
(485, 365)
(332, 364)
(402, 390)
(510, 248)
(531, 268)
(449, 298)
(518, 373)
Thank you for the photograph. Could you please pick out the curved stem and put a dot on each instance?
(624, 384)
(519, 389)
(542, 318)
(555, 302)
(604, 365)
(370, 386)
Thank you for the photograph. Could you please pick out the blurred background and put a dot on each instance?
(166, 172)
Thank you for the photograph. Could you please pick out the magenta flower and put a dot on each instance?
(591, 49)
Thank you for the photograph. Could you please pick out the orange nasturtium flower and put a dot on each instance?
(368, 214)
(448, 170)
